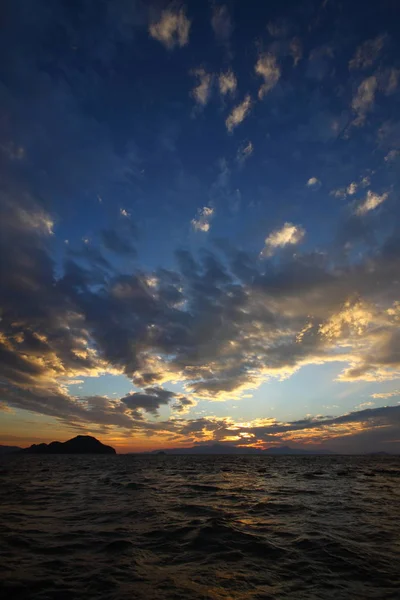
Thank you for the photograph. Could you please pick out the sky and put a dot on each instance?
(200, 223)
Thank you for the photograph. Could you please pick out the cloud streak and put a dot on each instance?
(238, 114)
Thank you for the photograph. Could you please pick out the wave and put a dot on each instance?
(199, 527)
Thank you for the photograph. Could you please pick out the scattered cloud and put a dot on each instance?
(244, 152)
(367, 53)
(202, 91)
(227, 83)
(364, 405)
(222, 23)
(238, 114)
(172, 28)
(269, 70)
(202, 221)
(371, 202)
(351, 188)
(384, 395)
(289, 234)
(363, 101)
(313, 182)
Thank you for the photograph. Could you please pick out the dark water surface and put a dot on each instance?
(219, 527)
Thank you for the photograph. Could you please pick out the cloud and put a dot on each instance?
(202, 222)
(244, 152)
(384, 395)
(352, 188)
(363, 101)
(201, 324)
(238, 114)
(362, 430)
(370, 202)
(367, 53)
(365, 405)
(36, 219)
(202, 91)
(289, 234)
(222, 23)
(172, 29)
(313, 182)
(183, 404)
(327, 430)
(152, 398)
(227, 83)
(218, 329)
(267, 68)
(221, 323)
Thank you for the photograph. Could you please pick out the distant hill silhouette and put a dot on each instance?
(81, 444)
(230, 449)
(9, 449)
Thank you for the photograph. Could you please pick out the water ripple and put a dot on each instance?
(217, 528)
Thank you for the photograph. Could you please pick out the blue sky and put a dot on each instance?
(200, 223)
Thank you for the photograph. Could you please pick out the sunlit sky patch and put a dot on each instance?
(200, 223)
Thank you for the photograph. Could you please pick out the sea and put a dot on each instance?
(131, 527)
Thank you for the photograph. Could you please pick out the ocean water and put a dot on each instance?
(190, 527)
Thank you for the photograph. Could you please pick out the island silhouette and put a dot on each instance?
(81, 444)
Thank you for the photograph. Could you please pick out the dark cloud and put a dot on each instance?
(152, 398)
(149, 400)
(219, 329)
